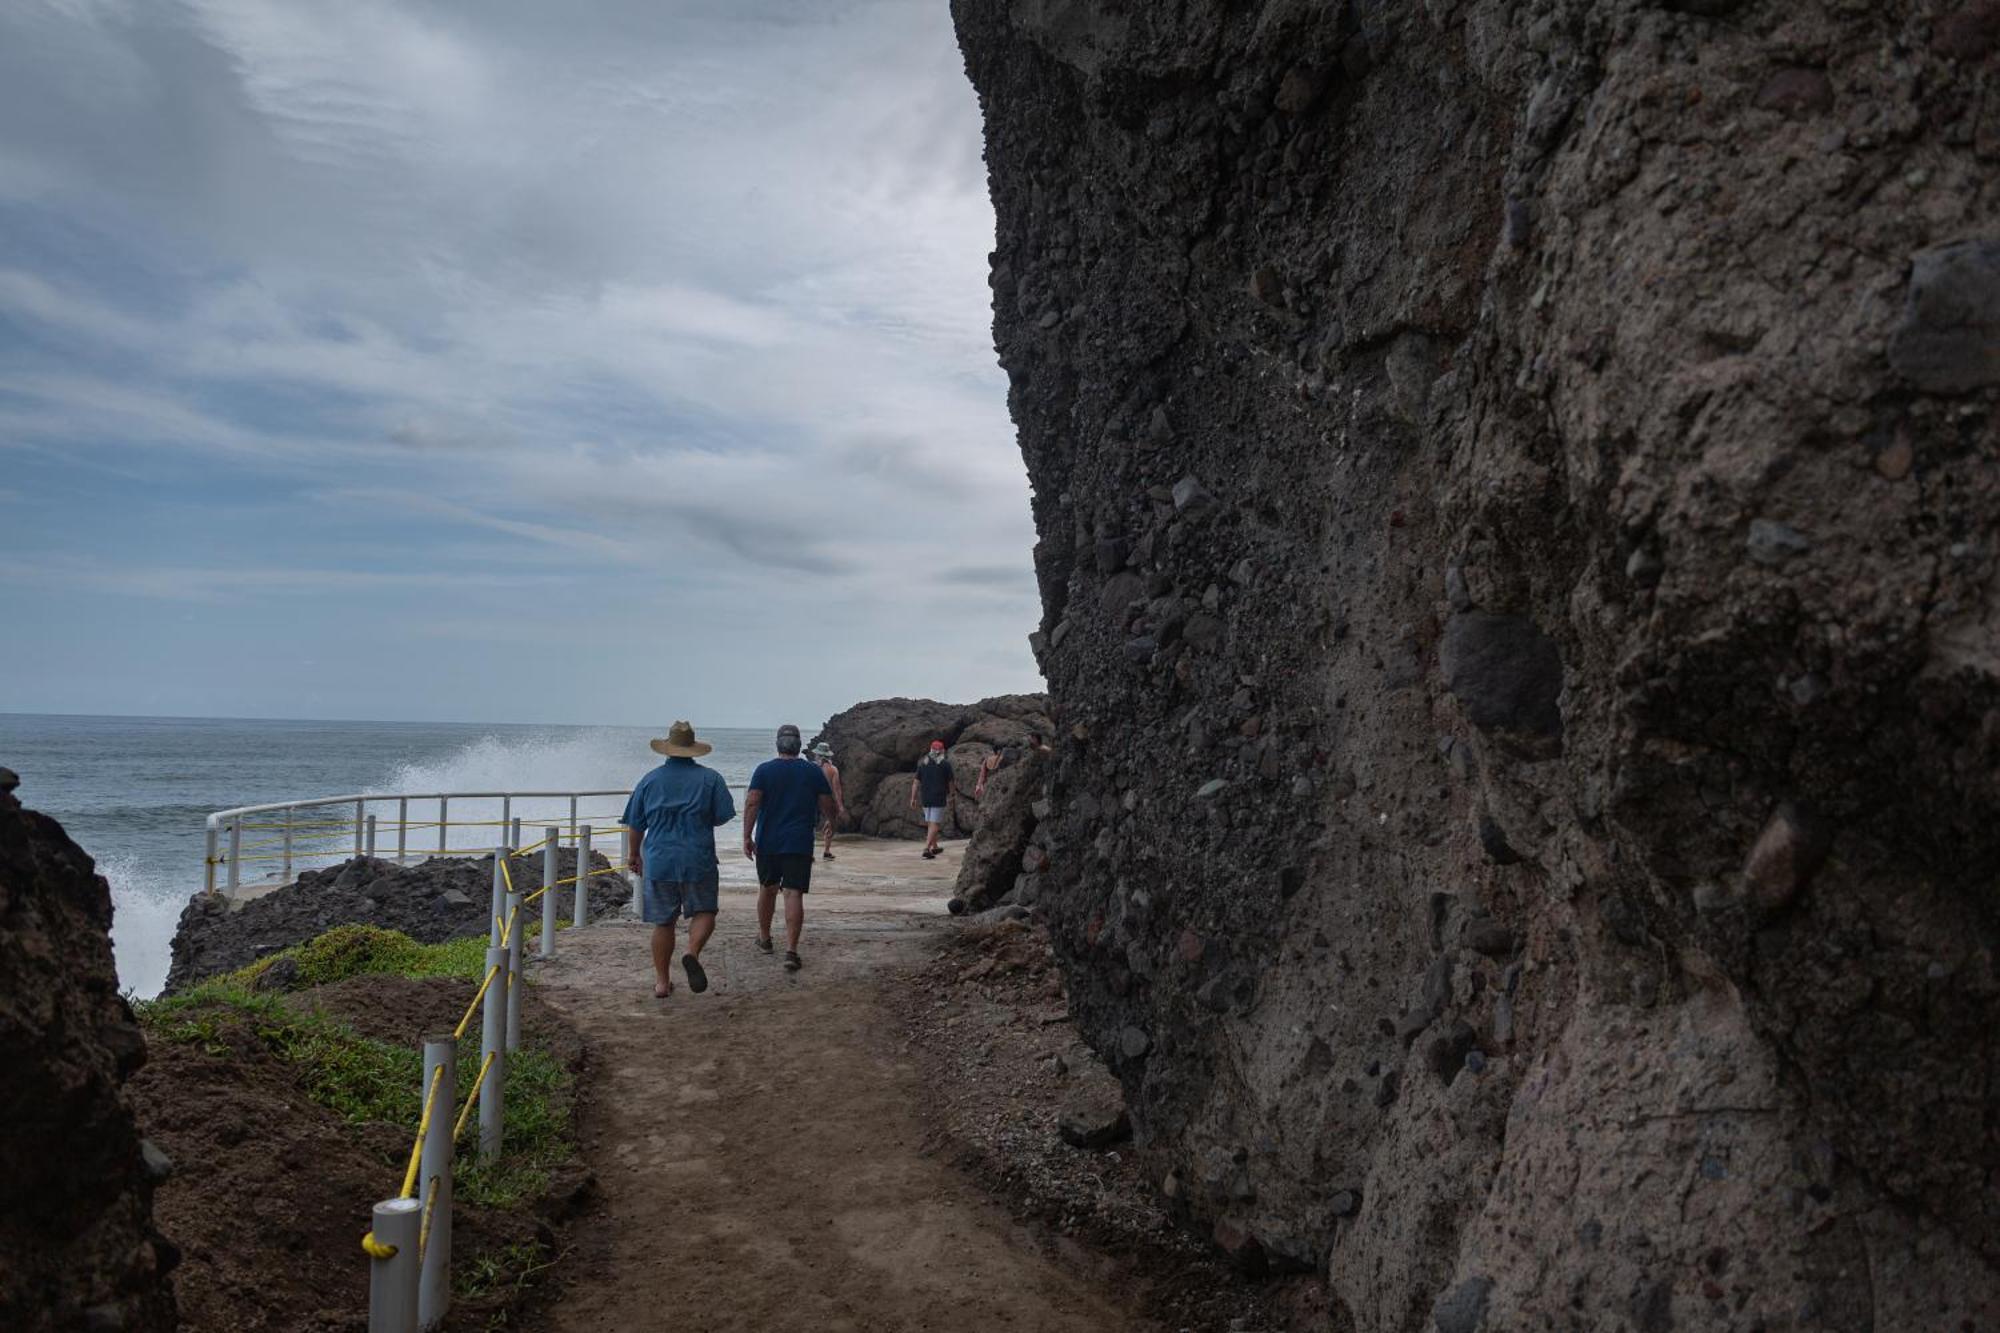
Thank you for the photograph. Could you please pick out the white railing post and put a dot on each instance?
(493, 1055)
(572, 818)
(581, 915)
(288, 844)
(551, 872)
(208, 861)
(392, 1281)
(507, 820)
(444, 826)
(235, 851)
(515, 929)
(435, 1166)
(371, 838)
(402, 830)
(514, 833)
(358, 828)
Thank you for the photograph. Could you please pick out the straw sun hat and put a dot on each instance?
(680, 743)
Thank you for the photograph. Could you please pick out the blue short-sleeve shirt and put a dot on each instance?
(679, 805)
(789, 805)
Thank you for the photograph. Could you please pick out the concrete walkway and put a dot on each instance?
(759, 1148)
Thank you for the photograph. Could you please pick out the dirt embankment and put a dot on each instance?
(288, 1117)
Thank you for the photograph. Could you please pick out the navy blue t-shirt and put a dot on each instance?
(789, 806)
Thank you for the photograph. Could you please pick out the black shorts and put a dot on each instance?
(794, 870)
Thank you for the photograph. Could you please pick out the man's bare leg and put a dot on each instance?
(795, 918)
(663, 959)
(931, 832)
(699, 930)
(767, 903)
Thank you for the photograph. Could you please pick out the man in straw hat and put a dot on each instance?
(676, 809)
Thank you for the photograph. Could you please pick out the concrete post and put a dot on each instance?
(371, 837)
(572, 819)
(235, 852)
(444, 824)
(551, 872)
(493, 1045)
(208, 861)
(288, 843)
(582, 899)
(434, 1287)
(514, 832)
(515, 930)
(402, 830)
(499, 894)
(358, 828)
(392, 1282)
(507, 820)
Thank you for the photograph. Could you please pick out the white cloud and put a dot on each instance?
(693, 287)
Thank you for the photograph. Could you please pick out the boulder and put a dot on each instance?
(993, 859)
(877, 745)
(76, 1212)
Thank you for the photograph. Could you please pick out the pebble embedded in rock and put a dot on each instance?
(1462, 1309)
(1485, 935)
(1949, 338)
(1493, 839)
(158, 1165)
(1506, 672)
(1773, 543)
(1212, 787)
(1133, 1042)
(1791, 849)
(1094, 1127)
(1644, 566)
(1345, 1203)
(1190, 494)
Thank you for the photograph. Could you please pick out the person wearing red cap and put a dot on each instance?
(933, 783)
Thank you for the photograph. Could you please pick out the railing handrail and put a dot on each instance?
(219, 817)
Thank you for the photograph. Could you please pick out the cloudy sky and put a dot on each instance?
(499, 360)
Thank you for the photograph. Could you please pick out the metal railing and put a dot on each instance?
(284, 833)
(409, 1245)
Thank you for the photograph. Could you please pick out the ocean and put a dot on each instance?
(134, 791)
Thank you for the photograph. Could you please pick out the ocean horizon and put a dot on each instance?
(135, 791)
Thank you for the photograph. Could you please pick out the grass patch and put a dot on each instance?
(366, 1081)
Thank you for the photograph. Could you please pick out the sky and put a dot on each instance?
(497, 360)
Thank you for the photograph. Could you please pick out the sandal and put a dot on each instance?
(662, 989)
(697, 978)
(764, 943)
(792, 963)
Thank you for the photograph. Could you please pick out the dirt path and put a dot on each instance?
(759, 1149)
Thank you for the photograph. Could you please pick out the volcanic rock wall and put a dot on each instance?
(1516, 485)
(77, 1244)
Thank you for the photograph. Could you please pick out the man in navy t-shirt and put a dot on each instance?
(788, 796)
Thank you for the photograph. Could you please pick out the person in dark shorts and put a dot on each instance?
(675, 810)
(934, 784)
(787, 795)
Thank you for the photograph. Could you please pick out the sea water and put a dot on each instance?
(134, 792)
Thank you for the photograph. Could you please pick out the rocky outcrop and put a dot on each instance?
(444, 898)
(993, 864)
(78, 1249)
(877, 745)
(1516, 486)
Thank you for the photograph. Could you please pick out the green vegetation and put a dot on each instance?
(368, 1081)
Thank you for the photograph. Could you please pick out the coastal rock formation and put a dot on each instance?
(77, 1244)
(1516, 486)
(877, 745)
(1009, 812)
(430, 901)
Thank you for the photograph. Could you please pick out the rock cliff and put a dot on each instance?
(1516, 486)
(78, 1249)
(877, 745)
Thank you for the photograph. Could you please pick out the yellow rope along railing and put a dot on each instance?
(473, 1008)
(423, 1127)
(472, 1097)
(430, 1206)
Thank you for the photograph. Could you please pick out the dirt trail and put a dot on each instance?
(759, 1148)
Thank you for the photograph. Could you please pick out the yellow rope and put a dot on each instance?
(430, 1206)
(376, 1249)
(472, 1097)
(423, 1127)
(473, 1008)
